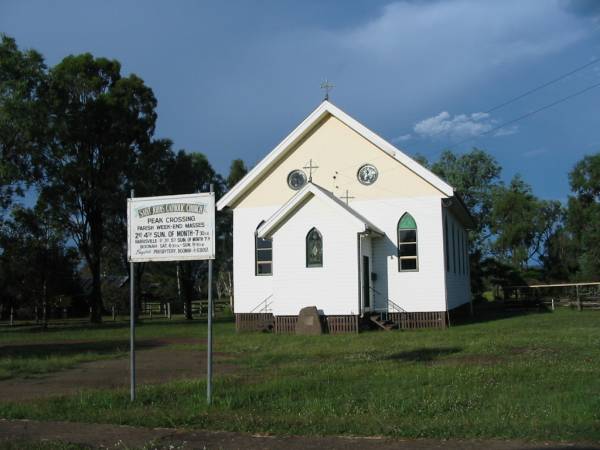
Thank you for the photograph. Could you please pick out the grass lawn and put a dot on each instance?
(534, 376)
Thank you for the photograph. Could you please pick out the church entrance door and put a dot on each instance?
(366, 283)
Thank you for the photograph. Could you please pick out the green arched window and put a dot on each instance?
(407, 244)
(314, 248)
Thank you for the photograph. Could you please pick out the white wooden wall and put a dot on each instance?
(424, 289)
(334, 288)
(249, 289)
(458, 282)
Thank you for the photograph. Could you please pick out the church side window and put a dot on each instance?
(446, 244)
(263, 254)
(453, 248)
(460, 253)
(407, 244)
(314, 248)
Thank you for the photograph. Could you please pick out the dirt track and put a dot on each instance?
(154, 364)
(97, 435)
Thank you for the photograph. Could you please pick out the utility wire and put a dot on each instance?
(529, 114)
(537, 88)
(542, 86)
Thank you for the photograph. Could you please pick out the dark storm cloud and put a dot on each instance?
(585, 8)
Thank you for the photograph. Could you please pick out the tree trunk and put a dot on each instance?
(96, 296)
(187, 289)
(45, 303)
(188, 294)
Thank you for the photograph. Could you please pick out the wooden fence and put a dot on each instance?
(333, 324)
(574, 295)
(342, 324)
(254, 322)
(285, 324)
(417, 320)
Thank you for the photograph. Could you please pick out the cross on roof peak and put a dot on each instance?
(328, 87)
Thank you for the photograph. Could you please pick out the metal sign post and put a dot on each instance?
(209, 340)
(132, 326)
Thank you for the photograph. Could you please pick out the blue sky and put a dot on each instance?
(233, 78)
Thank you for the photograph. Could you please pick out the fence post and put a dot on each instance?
(579, 308)
(552, 304)
(11, 316)
(169, 310)
(114, 316)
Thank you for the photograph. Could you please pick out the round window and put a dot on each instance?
(367, 174)
(296, 179)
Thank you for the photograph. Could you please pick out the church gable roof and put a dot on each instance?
(323, 110)
(298, 200)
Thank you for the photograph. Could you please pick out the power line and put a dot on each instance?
(524, 116)
(537, 88)
(542, 86)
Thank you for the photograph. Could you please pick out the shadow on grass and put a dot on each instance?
(492, 311)
(423, 354)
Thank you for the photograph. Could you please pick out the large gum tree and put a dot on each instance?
(98, 121)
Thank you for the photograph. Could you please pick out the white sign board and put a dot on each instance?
(171, 228)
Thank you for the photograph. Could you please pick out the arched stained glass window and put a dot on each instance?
(263, 249)
(314, 248)
(407, 244)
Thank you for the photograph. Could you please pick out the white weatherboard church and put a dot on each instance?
(338, 218)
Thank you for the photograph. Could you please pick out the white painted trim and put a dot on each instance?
(301, 130)
(310, 189)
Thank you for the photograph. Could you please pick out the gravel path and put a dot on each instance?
(106, 436)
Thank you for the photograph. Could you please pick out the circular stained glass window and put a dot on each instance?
(367, 174)
(296, 179)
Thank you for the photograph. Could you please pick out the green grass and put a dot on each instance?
(534, 376)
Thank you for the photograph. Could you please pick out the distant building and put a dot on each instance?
(338, 218)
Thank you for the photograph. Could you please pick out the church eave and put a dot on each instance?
(325, 108)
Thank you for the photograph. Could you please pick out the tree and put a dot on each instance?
(237, 171)
(22, 120)
(521, 222)
(583, 215)
(98, 121)
(148, 174)
(189, 173)
(560, 260)
(37, 269)
(474, 175)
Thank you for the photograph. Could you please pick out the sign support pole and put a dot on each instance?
(132, 325)
(210, 331)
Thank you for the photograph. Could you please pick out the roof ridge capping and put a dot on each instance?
(326, 107)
